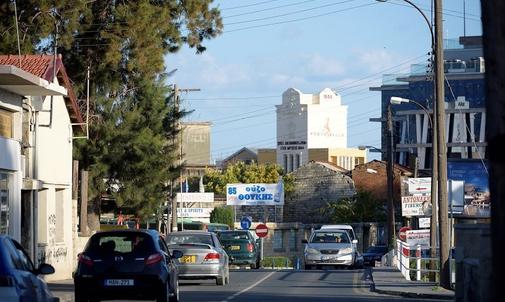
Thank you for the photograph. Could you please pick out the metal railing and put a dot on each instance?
(413, 261)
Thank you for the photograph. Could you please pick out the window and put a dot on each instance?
(5, 123)
(293, 240)
(4, 203)
(278, 243)
(285, 163)
(60, 216)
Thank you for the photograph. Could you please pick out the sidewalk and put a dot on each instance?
(388, 280)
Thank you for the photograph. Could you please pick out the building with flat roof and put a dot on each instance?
(465, 106)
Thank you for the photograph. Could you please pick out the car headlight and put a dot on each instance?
(311, 251)
(347, 250)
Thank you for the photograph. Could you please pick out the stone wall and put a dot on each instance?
(315, 186)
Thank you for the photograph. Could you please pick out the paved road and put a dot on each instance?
(275, 286)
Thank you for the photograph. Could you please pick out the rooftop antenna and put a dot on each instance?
(464, 18)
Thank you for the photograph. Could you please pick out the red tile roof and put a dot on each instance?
(42, 66)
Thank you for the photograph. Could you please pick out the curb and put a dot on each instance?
(413, 295)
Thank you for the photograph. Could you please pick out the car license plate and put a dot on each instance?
(327, 257)
(119, 282)
(188, 259)
(235, 247)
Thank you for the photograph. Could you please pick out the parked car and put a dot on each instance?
(204, 257)
(330, 247)
(241, 246)
(374, 253)
(19, 279)
(126, 264)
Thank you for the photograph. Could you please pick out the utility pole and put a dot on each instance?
(177, 136)
(442, 149)
(390, 171)
(493, 26)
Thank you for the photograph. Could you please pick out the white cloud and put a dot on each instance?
(375, 60)
(323, 66)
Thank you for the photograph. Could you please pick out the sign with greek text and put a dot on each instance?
(416, 205)
(255, 194)
(421, 237)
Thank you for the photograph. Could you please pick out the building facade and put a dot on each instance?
(39, 149)
(465, 106)
(195, 148)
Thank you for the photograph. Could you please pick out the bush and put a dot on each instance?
(278, 261)
(222, 215)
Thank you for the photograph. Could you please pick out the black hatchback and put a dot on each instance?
(126, 264)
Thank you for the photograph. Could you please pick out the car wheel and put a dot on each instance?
(80, 297)
(253, 266)
(175, 294)
(220, 280)
(163, 295)
(308, 267)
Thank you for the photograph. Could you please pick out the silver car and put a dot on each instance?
(329, 247)
(204, 257)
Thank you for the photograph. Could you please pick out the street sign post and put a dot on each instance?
(245, 223)
(262, 230)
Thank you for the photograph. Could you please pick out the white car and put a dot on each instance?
(330, 247)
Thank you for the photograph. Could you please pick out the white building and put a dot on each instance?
(38, 111)
(309, 121)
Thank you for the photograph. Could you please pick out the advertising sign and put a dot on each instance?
(424, 222)
(474, 173)
(195, 197)
(194, 212)
(421, 237)
(419, 185)
(255, 194)
(418, 205)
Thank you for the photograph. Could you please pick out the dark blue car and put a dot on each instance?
(19, 279)
(374, 253)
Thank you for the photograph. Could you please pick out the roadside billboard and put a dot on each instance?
(255, 194)
(415, 237)
(416, 205)
(195, 197)
(194, 212)
(476, 199)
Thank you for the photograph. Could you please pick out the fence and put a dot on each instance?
(413, 261)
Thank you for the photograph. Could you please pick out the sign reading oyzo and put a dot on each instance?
(255, 194)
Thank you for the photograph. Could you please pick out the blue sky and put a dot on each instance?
(270, 46)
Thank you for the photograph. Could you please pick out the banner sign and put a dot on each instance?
(255, 194)
(194, 212)
(195, 197)
(417, 205)
(419, 185)
(421, 237)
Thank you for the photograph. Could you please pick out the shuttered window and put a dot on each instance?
(5, 123)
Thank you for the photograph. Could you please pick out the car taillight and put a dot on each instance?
(250, 247)
(212, 257)
(154, 258)
(85, 260)
(6, 281)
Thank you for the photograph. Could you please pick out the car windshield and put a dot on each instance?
(330, 237)
(110, 243)
(189, 238)
(234, 236)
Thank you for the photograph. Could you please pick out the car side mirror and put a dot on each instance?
(176, 254)
(304, 241)
(45, 269)
(355, 241)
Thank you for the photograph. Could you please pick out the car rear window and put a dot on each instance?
(121, 242)
(331, 237)
(234, 236)
(189, 238)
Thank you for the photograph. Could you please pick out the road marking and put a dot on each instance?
(248, 288)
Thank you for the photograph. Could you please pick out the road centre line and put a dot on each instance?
(248, 288)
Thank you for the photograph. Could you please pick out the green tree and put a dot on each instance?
(240, 172)
(362, 208)
(222, 215)
(130, 151)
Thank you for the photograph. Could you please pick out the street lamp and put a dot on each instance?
(439, 112)
(434, 175)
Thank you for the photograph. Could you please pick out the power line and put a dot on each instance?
(267, 9)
